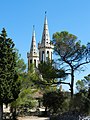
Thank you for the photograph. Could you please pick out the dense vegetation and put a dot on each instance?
(18, 87)
(9, 84)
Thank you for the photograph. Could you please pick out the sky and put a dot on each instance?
(18, 17)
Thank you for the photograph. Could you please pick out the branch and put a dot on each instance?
(82, 64)
(67, 62)
(53, 83)
(60, 82)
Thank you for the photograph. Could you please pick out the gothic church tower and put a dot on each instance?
(33, 57)
(45, 47)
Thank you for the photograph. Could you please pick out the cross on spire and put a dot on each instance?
(45, 12)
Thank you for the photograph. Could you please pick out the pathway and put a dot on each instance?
(33, 118)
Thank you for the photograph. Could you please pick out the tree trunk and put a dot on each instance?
(13, 111)
(1, 110)
(71, 91)
(45, 113)
(72, 82)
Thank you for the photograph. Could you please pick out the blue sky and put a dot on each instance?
(18, 17)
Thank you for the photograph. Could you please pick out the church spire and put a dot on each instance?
(45, 47)
(33, 49)
(45, 36)
(33, 57)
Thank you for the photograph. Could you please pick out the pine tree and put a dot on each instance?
(72, 54)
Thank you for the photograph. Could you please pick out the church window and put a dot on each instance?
(51, 55)
(30, 61)
(47, 54)
(35, 63)
(43, 54)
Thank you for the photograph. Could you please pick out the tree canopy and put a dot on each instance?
(83, 84)
(9, 84)
(72, 55)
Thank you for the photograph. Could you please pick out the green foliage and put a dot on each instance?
(83, 86)
(68, 48)
(49, 72)
(72, 55)
(77, 103)
(9, 84)
(54, 101)
(66, 105)
(80, 85)
(88, 51)
(87, 103)
(50, 75)
(26, 99)
(20, 65)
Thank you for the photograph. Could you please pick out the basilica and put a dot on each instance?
(45, 47)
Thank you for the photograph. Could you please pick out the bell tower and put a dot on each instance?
(45, 47)
(33, 57)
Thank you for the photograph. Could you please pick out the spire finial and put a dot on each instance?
(33, 27)
(45, 22)
(33, 33)
(45, 12)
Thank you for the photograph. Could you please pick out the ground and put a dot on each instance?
(33, 118)
(27, 117)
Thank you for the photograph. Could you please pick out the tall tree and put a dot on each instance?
(20, 69)
(27, 91)
(50, 74)
(72, 55)
(9, 84)
(83, 87)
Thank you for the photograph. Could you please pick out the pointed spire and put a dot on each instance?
(33, 49)
(45, 21)
(33, 33)
(45, 36)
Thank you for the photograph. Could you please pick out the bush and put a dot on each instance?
(54, 101)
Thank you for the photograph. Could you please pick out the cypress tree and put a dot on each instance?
(9, 84)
